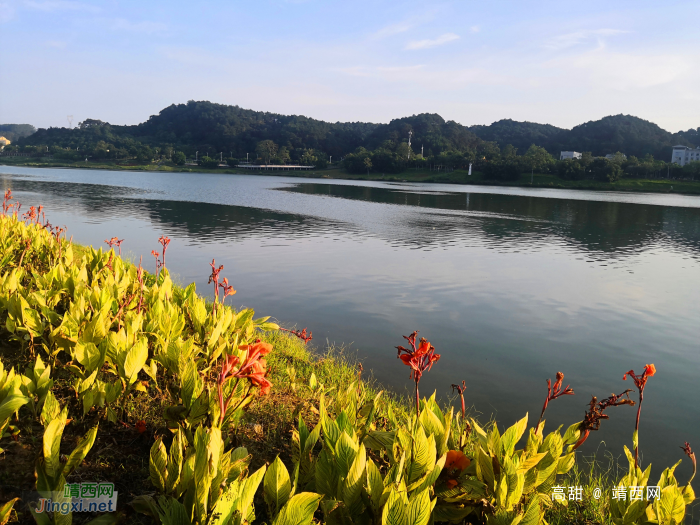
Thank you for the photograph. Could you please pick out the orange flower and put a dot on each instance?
(649, 370)
(260, 347)
(141, 426)
(457, 460)
(451, 483)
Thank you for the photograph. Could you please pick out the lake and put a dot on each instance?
(510, 285)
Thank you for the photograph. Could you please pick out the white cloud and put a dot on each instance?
(50, 6)
(425, 44)
(474, 29)
(393, 29)
(568, 40)
(138, 27)
(56, 43)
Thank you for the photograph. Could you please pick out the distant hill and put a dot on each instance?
(625, 133)
(430, 131)
(207, 127)
(519, 134)
(14, 132)
(692, 136)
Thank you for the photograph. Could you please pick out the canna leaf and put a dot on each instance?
(277, 486)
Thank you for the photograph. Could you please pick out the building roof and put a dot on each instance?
(6, 141)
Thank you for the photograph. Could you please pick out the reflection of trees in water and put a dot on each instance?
(508, 222)
(512, 221)
(205, 221)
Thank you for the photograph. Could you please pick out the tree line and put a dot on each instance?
(216, 133)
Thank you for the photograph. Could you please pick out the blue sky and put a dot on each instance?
(558, 62)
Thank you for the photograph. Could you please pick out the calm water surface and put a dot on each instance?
(510, 285)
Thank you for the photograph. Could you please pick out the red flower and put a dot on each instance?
(420, 359)
(141, 426)
(457, 460)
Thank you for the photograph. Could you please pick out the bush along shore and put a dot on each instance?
(116, 382)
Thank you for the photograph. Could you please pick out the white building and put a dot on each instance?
(682, 155)
(570, 155)
(611, 156)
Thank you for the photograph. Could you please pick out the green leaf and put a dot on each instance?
(250, 487)
(157, 465)
(572, 434)
(10, 405)
(394, 512)
(299, 510)
(352, 486)
(345, 452)
(418, 512)
(672, 504)
(6, 510)
(78, 455)
(135, 360)
(277, 486)
(52, 445)
(512, 436)
(374, 485)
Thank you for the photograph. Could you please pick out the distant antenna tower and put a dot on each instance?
(70, 120)
(409, 144)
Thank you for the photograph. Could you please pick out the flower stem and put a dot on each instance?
(417, 401)
(636, 428)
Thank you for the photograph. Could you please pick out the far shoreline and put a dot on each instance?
(539, 180)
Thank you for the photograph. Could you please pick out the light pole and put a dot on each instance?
(331, 160)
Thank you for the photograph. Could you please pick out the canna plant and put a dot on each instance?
(199, 482)
(11, 399)
(420, 359)
(51, 472)
(36, 384)
(640, 382)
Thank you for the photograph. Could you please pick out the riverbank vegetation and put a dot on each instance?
(201, 413)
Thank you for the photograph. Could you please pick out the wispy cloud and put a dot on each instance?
(474, 29)
(426, 44)
(568, 40)
(138, 27)
(393, 29)
(51, 6)
(59, 44)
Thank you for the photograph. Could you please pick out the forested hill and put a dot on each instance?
(519, 134)
(213, 128)
(206, 127)
(14, 132)
(625, 133)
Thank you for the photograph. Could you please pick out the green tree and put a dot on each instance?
(179, 158)
(509, 152)
(537, 159)
(570, 169)
(368, 164)
(208, 162)
(266, 150)
(691, 170)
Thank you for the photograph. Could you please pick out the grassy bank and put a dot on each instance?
(539, 180)
(112, 374)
